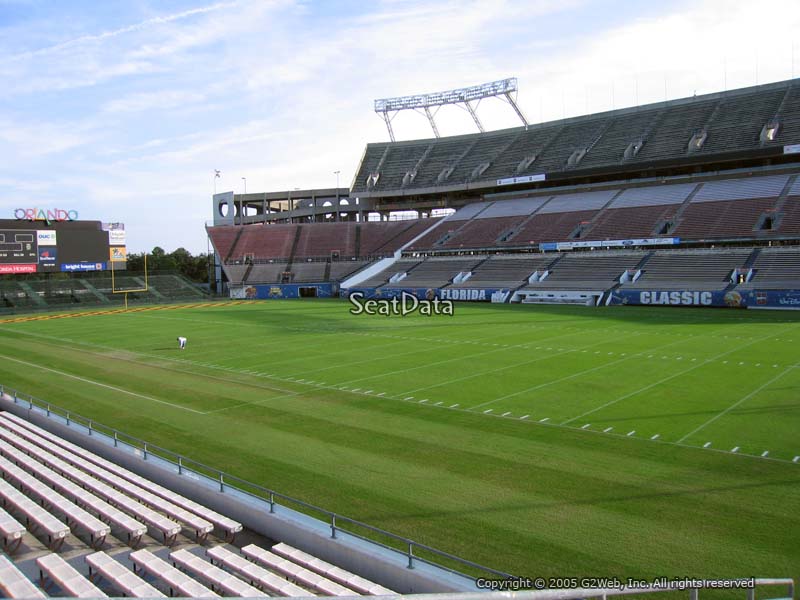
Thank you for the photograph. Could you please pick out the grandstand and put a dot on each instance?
(698, 172)
(80, 522)
(94, 289)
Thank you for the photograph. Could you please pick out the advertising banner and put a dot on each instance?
(6, 269)
(116, 233)
(786, 299)
(118, 254)
(47, 256)
(459, 294)
(283, 290)
(46, 237)
(522, 179)
(550, 246)
(69, 267)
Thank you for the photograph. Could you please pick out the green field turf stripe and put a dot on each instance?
(665, 379)
(103, 385)
(739, 402)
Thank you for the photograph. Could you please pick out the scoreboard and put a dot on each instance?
(69, 246)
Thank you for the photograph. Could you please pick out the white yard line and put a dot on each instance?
(665, 379)
(103, 385)
(463, 357)
(737, 403)
(573, 375)
(539, 357)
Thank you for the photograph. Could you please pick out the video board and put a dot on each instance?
(70, 246)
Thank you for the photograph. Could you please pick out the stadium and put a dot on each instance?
(604, 409)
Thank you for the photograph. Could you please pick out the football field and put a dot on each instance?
(541, 441)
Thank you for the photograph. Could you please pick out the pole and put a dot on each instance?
(337, 195)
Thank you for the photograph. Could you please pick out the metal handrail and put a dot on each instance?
(226, 480)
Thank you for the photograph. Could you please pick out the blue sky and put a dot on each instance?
(123, 109)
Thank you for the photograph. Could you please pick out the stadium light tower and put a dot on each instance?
(503, 89)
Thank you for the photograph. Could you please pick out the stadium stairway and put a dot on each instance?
(233, 245)
(95, 292)
(32, 294)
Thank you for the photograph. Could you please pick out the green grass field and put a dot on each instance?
(553, 441)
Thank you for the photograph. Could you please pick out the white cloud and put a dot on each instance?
(129, 123)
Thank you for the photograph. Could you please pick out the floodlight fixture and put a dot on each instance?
(503, 88)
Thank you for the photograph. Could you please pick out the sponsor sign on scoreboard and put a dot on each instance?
(101, 266)
(14, 269)
(46, 237)
(116, 233)
(118, 254)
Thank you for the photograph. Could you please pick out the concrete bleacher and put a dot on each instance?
(91, 475)
(66, 565)
(223, 238)
(132, 529)
(256, 575)
(14, 583)
(263, 241)
(119, 578)
(321, 239)
(730, 208)
(435, 272)
(588, 271)
(502, 271)
(11, 530)
(80, 518)
(66, 578)
(215, 577)
(695, 270)
(168, 528)
(35, 516)
(332, 572)
(178, 582)
(775, 269)
(480, 233)
(637, 212)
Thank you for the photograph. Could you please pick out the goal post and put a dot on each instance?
(126, 291)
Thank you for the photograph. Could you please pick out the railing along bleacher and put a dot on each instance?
(412, 551)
